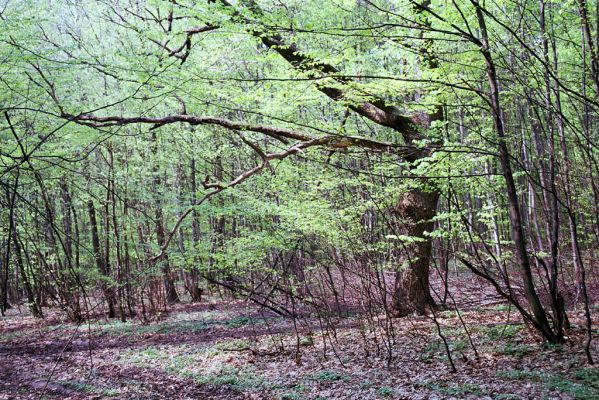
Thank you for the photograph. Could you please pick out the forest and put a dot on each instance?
(299, 199)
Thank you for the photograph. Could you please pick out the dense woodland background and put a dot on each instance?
(320, 159)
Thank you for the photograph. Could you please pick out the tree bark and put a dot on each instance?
(169, 282)
(102, 267)
(195, 290)
(34, 307)
(412, 292)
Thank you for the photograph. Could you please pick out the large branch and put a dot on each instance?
(376, 109)
(336, 87)
(282, 134)
(100, 121)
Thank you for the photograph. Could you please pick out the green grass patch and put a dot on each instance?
(329, 376)
(236, 379)
(291, 396)
(517, 375)
(242, 320)
(449, 314)
(78, 386)
(457, 390)
(494, 333)
(201, 365)
(507, 396)
(11, 336)
(180, 323)
(84, 387)
(500, 307)
(366, 385)
(385, 391)
(580, 391)
(294, 393)
(233, 345)
(583, 386)
(131, 328)
(307, 340)
(514, 349)
(588, 375)
(430, 351)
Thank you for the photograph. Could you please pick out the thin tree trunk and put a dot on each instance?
(100, 261)
(169, 281)
(517, 231)
(196, 291)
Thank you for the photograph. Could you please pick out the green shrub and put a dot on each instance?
(328, 376)
(385, 391)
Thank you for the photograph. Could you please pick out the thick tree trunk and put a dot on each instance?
(416, 209)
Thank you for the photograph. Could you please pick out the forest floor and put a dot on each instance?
(230, 350)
